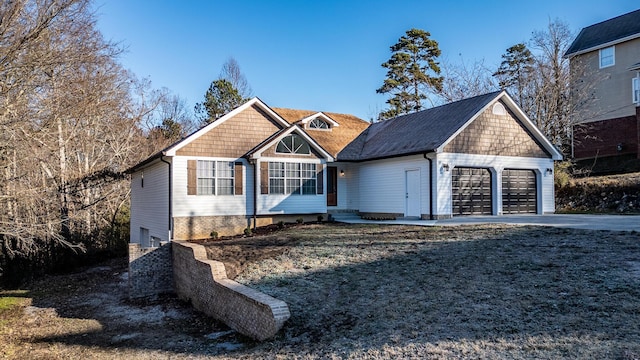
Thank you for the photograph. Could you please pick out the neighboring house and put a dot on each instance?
(607, 55)
(259, 165)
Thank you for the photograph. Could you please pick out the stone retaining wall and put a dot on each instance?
(150, 270)
(204, 282)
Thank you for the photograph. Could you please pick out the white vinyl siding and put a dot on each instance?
(184, 205)
(150, 204)
(382, 182)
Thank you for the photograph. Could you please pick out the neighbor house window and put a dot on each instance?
(293, 144)
(607, 57)
(635, 88)
(215, 177)
(292, 178)
(318, 123)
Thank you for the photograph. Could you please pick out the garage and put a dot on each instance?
(519, 192)
(471, 191)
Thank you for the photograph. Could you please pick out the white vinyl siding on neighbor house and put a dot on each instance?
(495, 164)
(150, 204)
(190, 205)
(298, 174)
(607, 56)
(382, 184)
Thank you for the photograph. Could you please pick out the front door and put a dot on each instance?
(412, 183)
(332, 186)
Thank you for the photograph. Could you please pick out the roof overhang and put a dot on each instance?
(256, 153)
(602, 46)
(320, 115)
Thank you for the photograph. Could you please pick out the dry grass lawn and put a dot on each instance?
(365, 291)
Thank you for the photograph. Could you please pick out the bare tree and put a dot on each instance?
(70, 123)
(463, 80)
(231, 72)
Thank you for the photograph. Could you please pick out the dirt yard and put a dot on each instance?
(363, 291)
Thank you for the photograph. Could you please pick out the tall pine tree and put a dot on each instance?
(412, 73)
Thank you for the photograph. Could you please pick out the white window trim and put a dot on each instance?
(613, 56)
(216, 178)
(292, 150)
(635, 89)
(300, 178)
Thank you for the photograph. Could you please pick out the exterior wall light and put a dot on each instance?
(549, 171)
(445, 166)
(341, 173)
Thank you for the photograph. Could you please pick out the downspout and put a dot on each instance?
(255, 192)
(170, 228)
(431, 216)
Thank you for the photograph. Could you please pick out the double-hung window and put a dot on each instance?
(635, 89)
(292, 178)
(607, 57)
(215, 177)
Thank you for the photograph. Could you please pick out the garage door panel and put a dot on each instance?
(519, 191)
(471, 191)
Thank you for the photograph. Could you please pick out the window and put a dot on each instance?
(293, 144)
(317, 123)
(292, 178)
(635, 89)
(215, 177)
(607, 57)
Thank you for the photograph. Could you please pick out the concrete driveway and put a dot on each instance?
(573, 221)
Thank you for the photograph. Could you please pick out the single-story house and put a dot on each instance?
(258, 165)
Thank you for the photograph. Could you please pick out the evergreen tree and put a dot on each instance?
(412, 73)
(515, 70)
(220, 99)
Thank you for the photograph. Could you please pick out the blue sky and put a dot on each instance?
(319, 55)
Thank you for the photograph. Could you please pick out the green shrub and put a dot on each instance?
(320, 218)
(280, 224)
(247, 232)
(299, 220)
(562, 174)
(213, 235)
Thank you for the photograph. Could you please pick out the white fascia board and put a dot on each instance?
(300, 132)
(255, 101)
(321, 115)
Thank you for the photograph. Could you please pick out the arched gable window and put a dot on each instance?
(318, 123)
(293, 144)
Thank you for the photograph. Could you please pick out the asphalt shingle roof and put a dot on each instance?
(420, 132)
(605, 32)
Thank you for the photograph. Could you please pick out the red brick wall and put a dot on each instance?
(601, 138)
